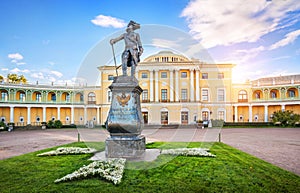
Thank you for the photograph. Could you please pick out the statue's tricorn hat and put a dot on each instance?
(134, 25)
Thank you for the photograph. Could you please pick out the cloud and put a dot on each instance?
(108, 21)
(163, 43)
(38, 75)
(56, 73)
(4, 69)
(17, 71)
(288, 38)
(236, 21)
(242, 56)
(15, 57)
(51, 63)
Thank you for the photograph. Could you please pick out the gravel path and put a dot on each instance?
(275, 145)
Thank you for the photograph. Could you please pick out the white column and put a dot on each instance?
(85, 115)
(151, 92)
(58, 113)
(197, 86)
(156, 86)
(44, 114)
(176, 85)
(171, 86)
(98, 116)
(235, 113)
(282, 108)
(250, 113)
(266, 113)
(11, 118)
(72, 115)
(28, 115)
(192, 85)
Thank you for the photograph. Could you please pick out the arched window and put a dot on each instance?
(243, 96)
(4, 95)
(291, 93)
(273, 94)
(37, 96)
(257, 95)
(91, 98)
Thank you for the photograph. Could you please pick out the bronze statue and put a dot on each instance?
(133, 48)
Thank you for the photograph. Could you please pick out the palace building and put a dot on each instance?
(176, 90)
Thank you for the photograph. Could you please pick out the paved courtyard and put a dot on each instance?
(275, 145)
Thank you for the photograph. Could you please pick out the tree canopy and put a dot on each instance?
(14, 78)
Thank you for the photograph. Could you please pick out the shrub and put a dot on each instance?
(50, 124)
(286, 118)
(57, 124)
(2, 124)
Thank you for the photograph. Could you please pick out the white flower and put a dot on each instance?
(200, 152)
(68, 150)
(111, 170)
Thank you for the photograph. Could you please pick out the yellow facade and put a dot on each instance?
(176, 90)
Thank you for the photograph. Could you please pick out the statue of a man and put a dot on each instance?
(133, 47)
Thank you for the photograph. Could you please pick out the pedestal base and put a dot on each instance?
(125, 147)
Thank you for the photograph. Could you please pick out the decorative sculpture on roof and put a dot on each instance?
(133, 48)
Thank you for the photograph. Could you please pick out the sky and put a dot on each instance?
(49, 40)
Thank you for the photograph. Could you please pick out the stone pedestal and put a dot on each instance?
(125, 147)
(125, 121)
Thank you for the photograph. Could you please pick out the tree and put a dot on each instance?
(14, 78)
(1, 78)
(22, 79)
(286, 118)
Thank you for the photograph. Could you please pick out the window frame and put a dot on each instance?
(205, 94)
(204, 75)
(163, 74)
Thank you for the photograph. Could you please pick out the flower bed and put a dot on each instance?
(199, 152)
(111, 170)
(68, 151)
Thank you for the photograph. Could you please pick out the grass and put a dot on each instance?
(231, 171)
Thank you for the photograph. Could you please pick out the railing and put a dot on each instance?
(276, 99)
(41, 102)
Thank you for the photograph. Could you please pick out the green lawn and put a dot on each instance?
(231, 171)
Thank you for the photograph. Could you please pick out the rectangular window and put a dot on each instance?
(68, 97)
(164, 75)
(204, 94)
(144, 75)
(164, 117)
(164, 94)
(205, 115)
(22, 96)
(184, 117)
(110, 77)
(145, 95)
(221, 115)
(4, 96)
(38, 97)
(221, 95)
(184, 96)
(221, 75)
(257, 95)
(204, 75)
(53, 97)
(183, 74)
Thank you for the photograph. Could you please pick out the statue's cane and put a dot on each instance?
(112, 46)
